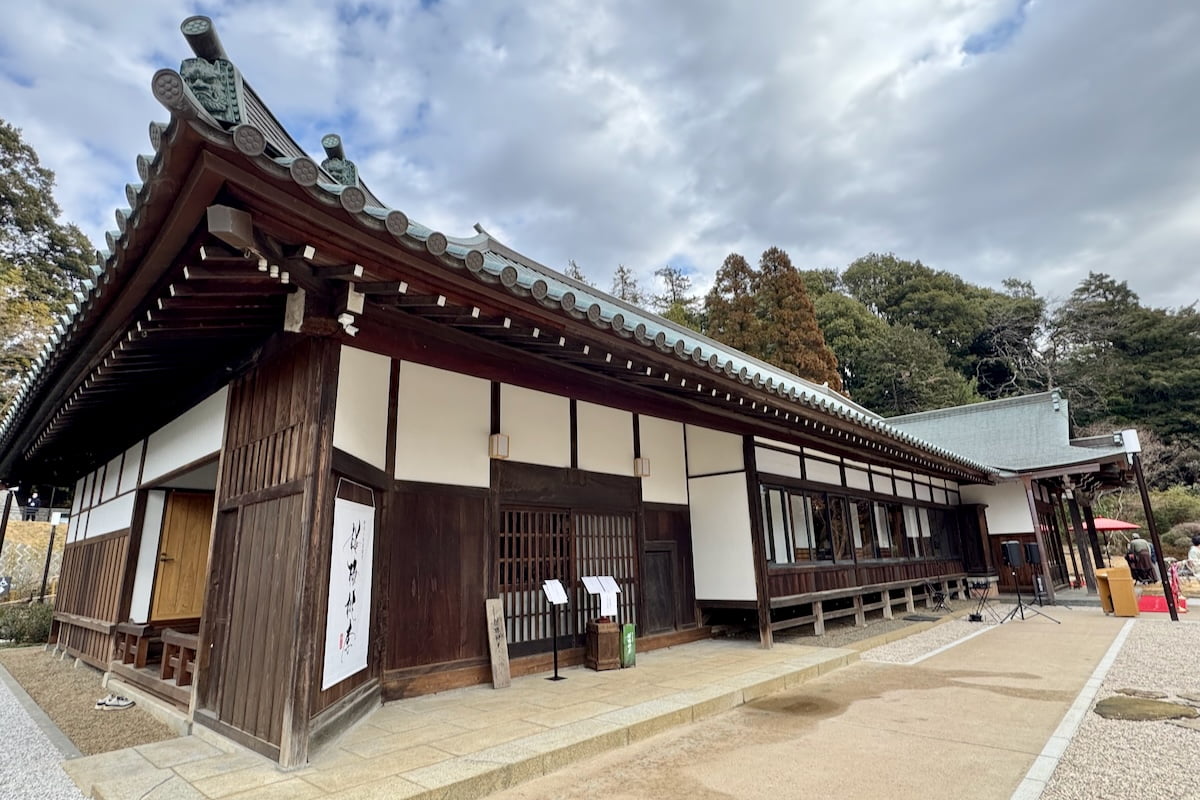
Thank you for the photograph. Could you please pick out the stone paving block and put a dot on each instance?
(170, 752)
(523, 763)
(710, 700)
(391, 788)
(564, 716)
(461, 778)
(761, 688)
(649, 718)
(291, 789)
(241, 780)
(481, 739)
(209, 767)
(364, 770)
(425, 734)
(132, 785)
(90, 770)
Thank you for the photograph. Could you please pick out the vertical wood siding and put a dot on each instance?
(90, 586)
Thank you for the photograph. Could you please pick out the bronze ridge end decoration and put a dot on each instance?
(208, 85)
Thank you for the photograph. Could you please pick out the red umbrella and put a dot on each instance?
(1106, 524)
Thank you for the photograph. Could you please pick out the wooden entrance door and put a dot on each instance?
(660, 595)
(182, 556)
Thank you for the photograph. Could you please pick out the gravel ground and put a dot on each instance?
(29, 763)
(913, 647)
(68, 695)
(841, 632)
(1125, 760)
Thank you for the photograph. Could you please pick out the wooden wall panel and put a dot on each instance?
(437, 555)
(89, 591)
(788, 582)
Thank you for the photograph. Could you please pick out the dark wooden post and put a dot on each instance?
(1081, 539)
(1060, 514)
(1090, 519)
(762, 590)
(1153, 526)
(46, 568)
(8, 498)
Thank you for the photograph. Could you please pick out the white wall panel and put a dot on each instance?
(190, 437)
(722, 549)
(77, 502)
(823, 471)
(777, 463)
(538, 425)
(143, 578)
(112, 478)
(360, 417)
(1007, 509)
(605, 439)
(442, 424)
(710, 451)
(904, 488)
(131, 467)
(115, 515)
(783, 445)
(662, 443)
(857, 479)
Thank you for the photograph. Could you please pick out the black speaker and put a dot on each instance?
(1012, 554)
(1032, 554)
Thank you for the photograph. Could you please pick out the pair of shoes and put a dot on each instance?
(113, 702)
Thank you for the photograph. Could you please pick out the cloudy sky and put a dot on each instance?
(997, 138)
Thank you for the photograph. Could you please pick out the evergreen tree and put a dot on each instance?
(575, 273)
(676, 302)
(792, 339)
(731, 308)
(625, 286)
(42, 261)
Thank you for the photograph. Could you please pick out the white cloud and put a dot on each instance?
(635, 132)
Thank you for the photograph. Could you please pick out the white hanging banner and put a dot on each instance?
(348, 618)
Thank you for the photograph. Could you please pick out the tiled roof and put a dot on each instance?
(1020, 434)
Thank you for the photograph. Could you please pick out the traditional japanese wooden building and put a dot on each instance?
(310, 437)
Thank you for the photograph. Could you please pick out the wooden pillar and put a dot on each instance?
(1060, 516)
(1163, 575)
(757, 526)
(1081, 540)
(1040, 538)
(8, 499)
(1090, 519)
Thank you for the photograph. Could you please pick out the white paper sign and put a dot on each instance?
(348, 616)
(608, 585)
(592, 584)
(555, 592)
(608, 605)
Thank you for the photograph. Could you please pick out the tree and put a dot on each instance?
(791, 338)
(42, 261)
(575, 273)
(625, 286)
(676, 302)
(731, 309)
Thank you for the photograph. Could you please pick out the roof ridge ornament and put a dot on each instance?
(210, 80)
(340, 168)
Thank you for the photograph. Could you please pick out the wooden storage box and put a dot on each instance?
(603, 649)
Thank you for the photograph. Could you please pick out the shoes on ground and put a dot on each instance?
(113, 702)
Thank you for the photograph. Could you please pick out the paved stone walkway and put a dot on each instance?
(471, 742)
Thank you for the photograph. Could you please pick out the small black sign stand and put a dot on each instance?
(556, 595)
(554, 629)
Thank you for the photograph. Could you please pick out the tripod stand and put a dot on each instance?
(1021, 607)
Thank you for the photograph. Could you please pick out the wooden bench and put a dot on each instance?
(178, 657)
(137, 643)
(950, 584)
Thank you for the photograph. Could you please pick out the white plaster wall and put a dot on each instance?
(662, 443)
(442, 424)
(939, 496)
(129, 471)
(538, 425)
(710, 451)
(904, 488)
(1007, 509)
(722, 549)
(114, 515)
(823, 471)
(112, 478)
(777, 463)
(785, 445)
(360, 418)
(143, 577)
(605, 439)
(857, 479)
(190, 437)
(881, 483)
(77, 502)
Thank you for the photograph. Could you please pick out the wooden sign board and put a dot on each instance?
(498, 643)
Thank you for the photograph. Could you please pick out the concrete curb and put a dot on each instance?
(56, 736)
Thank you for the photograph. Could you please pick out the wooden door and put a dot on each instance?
(659, 593)
(182, 556)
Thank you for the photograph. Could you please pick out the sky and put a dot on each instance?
(993, 139)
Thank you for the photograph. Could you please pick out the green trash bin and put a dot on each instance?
(628, 645)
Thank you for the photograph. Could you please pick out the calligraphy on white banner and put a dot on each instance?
(348, 620)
